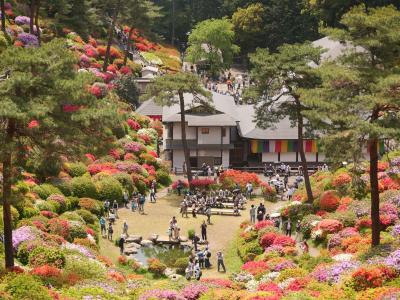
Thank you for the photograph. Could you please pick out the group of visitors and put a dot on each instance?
(199, 260)
(202, 202)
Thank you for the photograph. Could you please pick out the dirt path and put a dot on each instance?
(156, 219)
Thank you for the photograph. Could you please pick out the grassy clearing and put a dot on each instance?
(232, 260)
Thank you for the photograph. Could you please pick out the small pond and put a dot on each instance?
(167, 254)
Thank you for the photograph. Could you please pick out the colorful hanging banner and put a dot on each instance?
(283, 146)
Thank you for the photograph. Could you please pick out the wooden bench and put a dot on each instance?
(219, 211)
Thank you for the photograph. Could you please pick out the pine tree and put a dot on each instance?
(360, 94)
(33, 113)
(278, 78)
(169, 90)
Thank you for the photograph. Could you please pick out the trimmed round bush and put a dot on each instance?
(45, 190)
(72, 203)
(109, 189)
(76, 231)
(87, 216)
(44, 255)
(64, 185)
(83, 187)
(126, 181)
(26, 287)
(91, 205)
(329, 201)
(60, 200)
(14, 216)
(72, 216)
(76, 169)
(29, 212)
(163, 178)
(181, 264)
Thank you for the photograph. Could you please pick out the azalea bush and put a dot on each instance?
(371, 277)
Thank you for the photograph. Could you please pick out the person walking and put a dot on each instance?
(298, 230)
(110, 232)
(220, 261)
(103, 226)
(134, 202)
(184, 209)
(121, 243)
(142, 200)
(179, 187)
(286, 180)
(200, 257)
(289, 228)
(204, 231)
(208, 214)
(153, 192)
(249, 190)
(125, 228)
(253, 214)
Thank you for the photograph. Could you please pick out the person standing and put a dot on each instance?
(207, 255)
(184, 208)
(125, 228)
(197, 271)
(115, 208)
(286, 180)
(289, 228)
(126, 199)
(252, 214)
(204, 231)
(298, 229)
(134, 202)
(103, 226)
(110, 232)
(209, 172)
(142, 200)
(107, 207)
(249, 190)
(195, 241)
(220, 261)
(208, 214)
(121, 243)
(152, 194)
(179, 187)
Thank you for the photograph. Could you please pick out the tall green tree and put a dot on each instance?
(212, 41)
(169, 90)
(33, 114)
(278, 78)
(360, 93)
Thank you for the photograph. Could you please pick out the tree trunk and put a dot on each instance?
(37, 21)
(7, 219)
(184, 141)
(300, 139)
(31, 16)
(173, 24)
(109, 40)
(3, 16)
(128, 45)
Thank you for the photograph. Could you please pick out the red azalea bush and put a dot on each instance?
(255, 267)
(267, 191)
(284, 241)
(270, 287)
(242, 178)
(341, 179)
(90, 156)
(268, 239)
(330, 225)
(59, 227)
(217, 282)
(202, 183)
(48, 214)
(116, 276)
(388, 183)
(372, 277)
(363, 223)
(100, 167)
(134, 125)
(263, 224)
(298, 284)
(46, 271)
(329, 201)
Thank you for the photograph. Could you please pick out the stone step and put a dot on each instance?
(134, 239)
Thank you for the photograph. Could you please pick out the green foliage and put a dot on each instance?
(348, 218)
(249, 250)
(63, 185)
(76, 169)
(156, 267)
(43, 255)
(308, 262)
(87, 269)
(72, 202)
(127, 90)
(45, 190)
(72, 216)
(191, 233)
(77, 231)
(126, 181)
(83, 187)
(163, 178)
(87, 216)
(29, 212)
(14, 216)
(26, 287)
(181, 265)
(212, 40)
(109, 189)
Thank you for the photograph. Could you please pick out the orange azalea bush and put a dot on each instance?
(372, 277)
(256, 267)
(329, 201)
(330, 225)
(341, 179)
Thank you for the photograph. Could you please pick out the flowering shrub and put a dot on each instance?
(59, 227)
(161, 294)
(363, 223)
(194, 291)
(329, 201)
(202, 183)
(134, 147)
(99, 90)
(116, 276)
(372, 277)
(44, 255)
(22, 234)
(330, 226)
(22, 20)
(239, 177)
(255, 268)
(393, 260)
(81, 249)
(284, 241)
(217, 282)
(267, 191)
(156, 267)
(134, 125)
(260, 225)
(101, 167)
(268, 239)
(29, 40)
(46, 271)
(185, 184)
(341, 179)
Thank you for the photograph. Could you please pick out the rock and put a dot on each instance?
(129, 251)
(134, 239)
(175, 277)
(187, 244)
(183, 239)
(153, 237)
(168, 272)
(146, 243)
